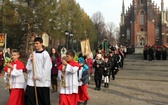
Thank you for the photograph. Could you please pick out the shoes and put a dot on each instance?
(107, 85)
(79, 103)
(98, 89)
(104, 84)
(85, 102)
(95, 88)
(52, 91)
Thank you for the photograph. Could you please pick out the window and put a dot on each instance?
(142, 21)
(157, 32)
(128, 34)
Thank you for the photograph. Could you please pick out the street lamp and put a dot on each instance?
(71, 40)
(69, 36)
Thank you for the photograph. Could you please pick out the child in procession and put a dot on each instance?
(89, 63)
(15, 77)
(68, 71)
(83, 78)
(106, 72)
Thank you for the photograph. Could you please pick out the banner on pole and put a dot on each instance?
(85, 47)
(2, 39)
(45, 38)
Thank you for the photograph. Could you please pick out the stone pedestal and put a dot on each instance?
(139, 49)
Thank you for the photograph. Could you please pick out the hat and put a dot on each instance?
(99, 55)
(81, 60)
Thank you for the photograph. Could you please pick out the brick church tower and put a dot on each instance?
(144, 24)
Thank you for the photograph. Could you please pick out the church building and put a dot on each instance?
(144, 23)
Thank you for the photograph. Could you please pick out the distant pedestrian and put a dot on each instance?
(106, 72)
(98, 65)
(121, 53)
(145, 53)
(164, 54)
(1, 61)
(56, 61)
(89, 63)
(117, 60)
(112, 68)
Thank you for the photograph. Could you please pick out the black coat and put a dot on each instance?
(98, 70)
(111, 60)
(85, 76)
(107, 65)
(116, 60)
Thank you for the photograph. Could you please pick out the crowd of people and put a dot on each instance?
(72, 73)
(107, 65)
(155, 53)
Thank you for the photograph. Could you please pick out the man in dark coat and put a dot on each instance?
(145, 53)
(112, 68)
(150, 52)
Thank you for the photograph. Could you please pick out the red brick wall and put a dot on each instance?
(151, 33)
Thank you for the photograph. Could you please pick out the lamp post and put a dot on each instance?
(123, 35)
(71, 39)
(69, 36)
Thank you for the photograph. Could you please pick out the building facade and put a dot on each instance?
(144, 23)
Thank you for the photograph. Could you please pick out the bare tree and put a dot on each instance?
(111, 28)
(116, 33)
(98, 21)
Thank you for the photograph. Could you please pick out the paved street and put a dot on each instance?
(138, 83)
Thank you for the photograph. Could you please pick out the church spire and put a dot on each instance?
(123, 8)
(162, 5)
(122, 14)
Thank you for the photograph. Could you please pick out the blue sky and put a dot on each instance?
(110, 9)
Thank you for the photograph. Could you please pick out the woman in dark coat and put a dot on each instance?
(117, 60)
(1, 61)
(56, 61)
(99, 67)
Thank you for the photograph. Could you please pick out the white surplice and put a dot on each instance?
(42, 68)
(71, 80)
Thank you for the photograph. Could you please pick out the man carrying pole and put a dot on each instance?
(38, 83)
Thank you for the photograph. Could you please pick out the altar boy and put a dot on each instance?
(15, 78)
(69, 92)
(41, 61)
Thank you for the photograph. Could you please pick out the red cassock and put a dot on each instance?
(69, 99)
(82, 93)
(16, 96)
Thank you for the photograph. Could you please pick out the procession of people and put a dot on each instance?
(69, 74)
